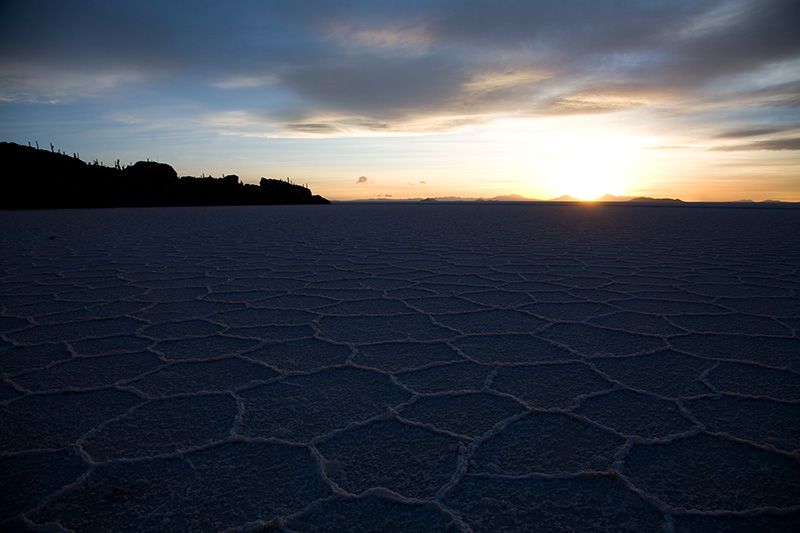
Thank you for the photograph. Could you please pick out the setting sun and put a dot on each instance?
(588, 168)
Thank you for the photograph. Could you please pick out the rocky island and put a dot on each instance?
(42, 179)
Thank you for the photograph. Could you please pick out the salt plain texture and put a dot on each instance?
(401, 367)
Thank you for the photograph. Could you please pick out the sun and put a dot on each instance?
(587, 170)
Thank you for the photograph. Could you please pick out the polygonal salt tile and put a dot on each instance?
(584, 282)
(738, 290)
(238, 482)
(205, 376)
(171, 294)
(635, 414)
(511, 349)
(466, 280)
(7, 392)
(648, 280)
(105, 294)
(498, 298)
(672, 295)
(180, 281)
(26, 479)
(95, 312)
(443, 304)
(177, 330)
(300, 408)
(178, 311)
(111, 345)
(31, 423)
(342, 294)
(571, 312)
(711, 473)
(371, 307)
(549, 386)
(631, 289)
(758, 421)
(88, 372)
(455, 377)
(582, 503)
(274, 333)
(126, 496)
(678, 375)
(408, 294)
(772, 351)
(305, 354)
(239, 295)
(374, 512)
(636, 323)
(554, 297)
(756, 380)
(76, 330)
(391, 357)
(533, 287)
(384, 284)
(408, 460)
(22, 358)
(50, 306)
(296, 301)
(657, 306)
(204, 348)
(268, 282)
(164, 426)
(775, 307)
(10, 323)
(732, 323)
(445, 289)
(598, 295)
(737, 523)
(471, 415)
(363, 329)
(593, 342)
(264, 317)
(547, 444)
(494, 321)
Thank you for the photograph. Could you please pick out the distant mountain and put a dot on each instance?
(645, 199)
(612, 198)
(565, 198)
(40, 179)
(513, 198)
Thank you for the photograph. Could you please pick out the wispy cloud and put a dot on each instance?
(772, 145)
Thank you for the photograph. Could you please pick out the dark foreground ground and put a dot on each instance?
(400, 367)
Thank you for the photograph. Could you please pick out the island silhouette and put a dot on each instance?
(44, 179)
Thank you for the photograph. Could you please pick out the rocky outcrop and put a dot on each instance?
(40, 179)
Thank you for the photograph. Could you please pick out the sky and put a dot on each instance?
(690, 99)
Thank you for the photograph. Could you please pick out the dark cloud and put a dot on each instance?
(749, 132)
(773, 145)
(362, 179)
(412, 65)
(312, 128)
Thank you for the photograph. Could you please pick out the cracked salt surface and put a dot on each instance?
(403, 367)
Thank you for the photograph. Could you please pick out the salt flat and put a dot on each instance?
(401, 367)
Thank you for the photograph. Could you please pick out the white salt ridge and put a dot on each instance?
(414, 368)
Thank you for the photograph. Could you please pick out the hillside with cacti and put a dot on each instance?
(46, 179)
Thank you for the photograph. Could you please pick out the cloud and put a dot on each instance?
(749, 132)
(363, 179)
(365, 67)
(772, 145)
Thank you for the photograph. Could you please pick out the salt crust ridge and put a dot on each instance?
(411, 367)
